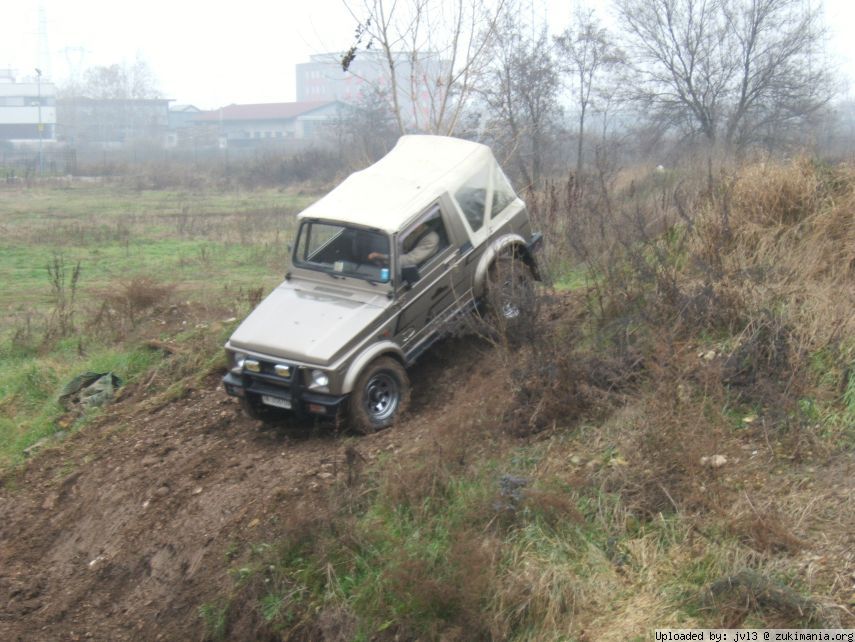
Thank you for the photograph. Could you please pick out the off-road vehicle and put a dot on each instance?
(382, 266)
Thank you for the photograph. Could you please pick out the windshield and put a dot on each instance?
(339, 249)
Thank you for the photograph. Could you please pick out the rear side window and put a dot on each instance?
(472, 198)
(503, 193)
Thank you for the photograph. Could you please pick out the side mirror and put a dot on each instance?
(410, 275)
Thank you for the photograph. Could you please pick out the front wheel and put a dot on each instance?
(381, 394)
(510, 296)
(253, 408)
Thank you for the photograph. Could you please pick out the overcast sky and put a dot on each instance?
(244, 52)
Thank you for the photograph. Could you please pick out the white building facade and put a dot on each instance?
(418, 80)
(27, 109)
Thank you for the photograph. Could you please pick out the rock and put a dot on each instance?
(715, 461)
(163, 491)
(325, 475)
(197, 490)
(575, 460)
(94, 562)
(151, 460)
(255, 522)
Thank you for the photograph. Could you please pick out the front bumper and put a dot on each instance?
(533, 246)
(302, 401)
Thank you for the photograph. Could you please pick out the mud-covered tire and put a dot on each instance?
(511, 298)
(380, 396)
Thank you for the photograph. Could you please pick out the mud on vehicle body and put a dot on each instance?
(383, 266)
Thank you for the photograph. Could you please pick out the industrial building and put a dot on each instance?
(27, 109)
(268, 123)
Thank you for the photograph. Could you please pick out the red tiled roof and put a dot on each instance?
(262, 111)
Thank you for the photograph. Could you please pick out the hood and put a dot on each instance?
(307, 322)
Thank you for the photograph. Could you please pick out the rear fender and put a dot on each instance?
(375, 351)
(509, 245)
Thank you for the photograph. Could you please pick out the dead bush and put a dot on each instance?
(443, 601)
(736, 596)
(764, 352)
(775, 194)
(125, 306)
(561, 388)
(662, 465)
(765, 531)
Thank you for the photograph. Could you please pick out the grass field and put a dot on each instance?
(89, 271)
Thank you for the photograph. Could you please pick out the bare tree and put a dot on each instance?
(521, 94)
(366, 130)
(587, 54)
(727, 69)
(112, 103)
(126, 81)
(433, 54)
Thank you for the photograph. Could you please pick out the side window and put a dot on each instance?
(472, 198)
(503, 193)
(423, 241)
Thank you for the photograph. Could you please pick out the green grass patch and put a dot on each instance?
(30, 387)
(203, 250)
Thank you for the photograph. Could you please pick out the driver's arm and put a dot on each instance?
(424, 249)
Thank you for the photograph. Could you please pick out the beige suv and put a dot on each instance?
(384, 265)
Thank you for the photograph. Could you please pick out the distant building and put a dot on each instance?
(181, 116)
(266, 123)
(112, 122)
(25, 108)
(181, 125)
(322, 78)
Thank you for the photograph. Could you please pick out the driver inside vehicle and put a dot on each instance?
(421, 244)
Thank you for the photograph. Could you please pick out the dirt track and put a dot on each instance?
(123, 531)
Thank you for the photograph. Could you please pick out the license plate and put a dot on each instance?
(276, 401)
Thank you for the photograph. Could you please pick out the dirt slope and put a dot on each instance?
(123, 531)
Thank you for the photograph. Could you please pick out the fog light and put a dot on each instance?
(320, 378)
(317, 408)
(282, 371)
(252, 365)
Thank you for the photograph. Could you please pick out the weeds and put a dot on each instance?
(64, 280)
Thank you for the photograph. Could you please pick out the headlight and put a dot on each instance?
(237, 359)
(320, 379)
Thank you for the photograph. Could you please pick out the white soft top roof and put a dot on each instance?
(414, 174)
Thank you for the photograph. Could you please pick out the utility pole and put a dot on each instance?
(41, 156)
